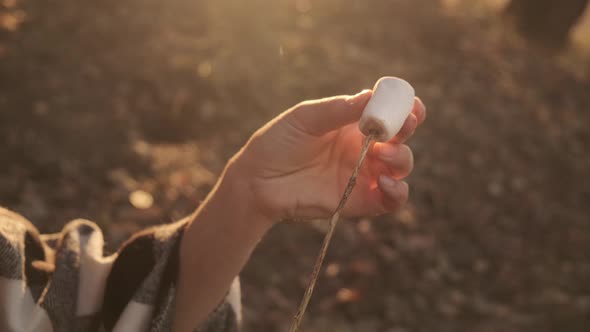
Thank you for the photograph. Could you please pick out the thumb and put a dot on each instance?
(318, 117)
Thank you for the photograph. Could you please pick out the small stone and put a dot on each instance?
(364, 226)
(207, 110)
(457, 297)
(476, 159)
(518, 183)
(481, 266)
(582, 303)
(388, 253)
(204, 69)
(40, 108)
(495, 188)
(141, 199)
(447, 309)
(347, 295)
(363, 267)
(406, 216)
(332, 270)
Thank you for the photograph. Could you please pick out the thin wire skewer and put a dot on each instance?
(328, 237)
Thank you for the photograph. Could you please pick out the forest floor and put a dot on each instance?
(99, 99)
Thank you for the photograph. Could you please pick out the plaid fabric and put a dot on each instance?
(63, 282)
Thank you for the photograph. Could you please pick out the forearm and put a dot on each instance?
(216, 245)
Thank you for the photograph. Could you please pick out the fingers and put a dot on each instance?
(395, 193)
(387, 196)
(390, 162)
(318, 117)
(412, 122)
(419, 110)
(407, 130)
(395, 160)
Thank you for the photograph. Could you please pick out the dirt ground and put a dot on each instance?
(102, 98)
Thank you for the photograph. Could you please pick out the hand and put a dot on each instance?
(298, 164)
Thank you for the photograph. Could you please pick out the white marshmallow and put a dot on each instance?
(386, 112)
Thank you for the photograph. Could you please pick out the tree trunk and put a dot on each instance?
(546, 22)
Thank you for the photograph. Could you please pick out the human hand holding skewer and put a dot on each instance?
(297, 166)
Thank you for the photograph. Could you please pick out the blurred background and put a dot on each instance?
(125, 112)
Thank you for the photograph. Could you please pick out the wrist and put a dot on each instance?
(218, 240)
(235, 191)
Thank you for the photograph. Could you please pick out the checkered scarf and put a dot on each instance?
(62, 282)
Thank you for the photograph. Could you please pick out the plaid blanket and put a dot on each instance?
(62, 282)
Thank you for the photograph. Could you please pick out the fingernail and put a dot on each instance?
(422, 103)
(386, 152)
(386, 181)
